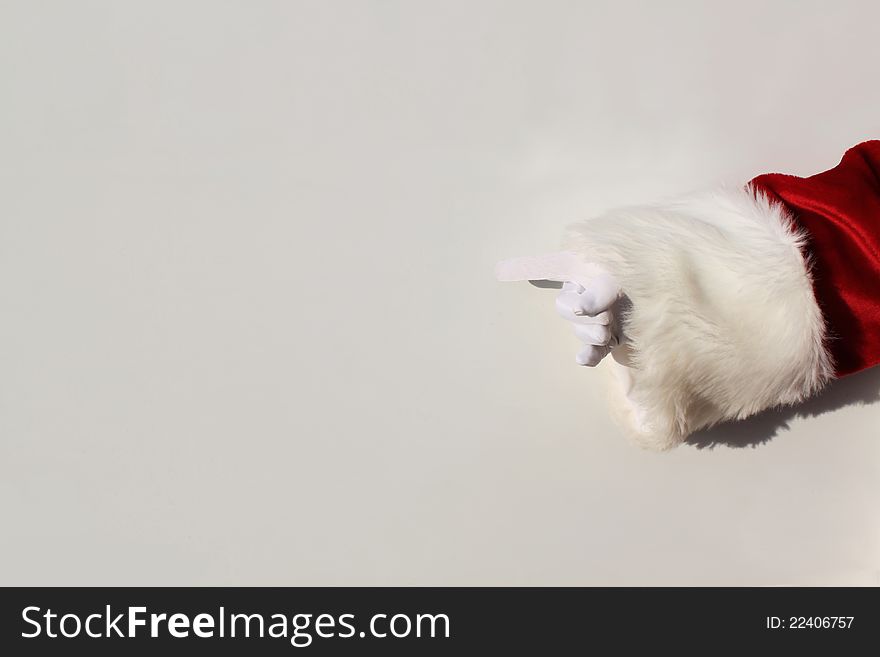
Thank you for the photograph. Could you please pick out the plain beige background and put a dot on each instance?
(250, 333)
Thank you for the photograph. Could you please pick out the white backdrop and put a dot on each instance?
(250, 332)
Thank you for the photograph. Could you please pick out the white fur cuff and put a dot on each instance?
(723, 323)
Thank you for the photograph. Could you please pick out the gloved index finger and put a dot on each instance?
(560, 266)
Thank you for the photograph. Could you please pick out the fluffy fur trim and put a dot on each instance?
(723, 322)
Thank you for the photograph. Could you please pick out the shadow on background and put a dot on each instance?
(854, 390)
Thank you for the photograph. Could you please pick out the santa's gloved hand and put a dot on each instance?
(594, 311)
(591, 298)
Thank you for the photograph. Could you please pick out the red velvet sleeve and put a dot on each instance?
(840, 212)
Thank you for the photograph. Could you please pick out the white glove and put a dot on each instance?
(591, 298)
(594, 312)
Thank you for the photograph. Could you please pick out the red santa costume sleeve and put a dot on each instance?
(840, 212)
(742, 299)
